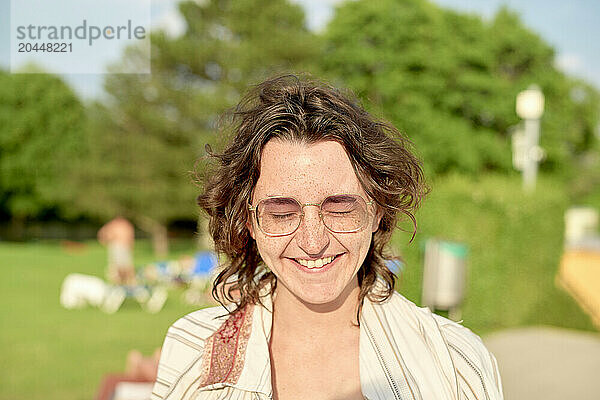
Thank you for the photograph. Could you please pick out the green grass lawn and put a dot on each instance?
(514, 248)
(52, 353)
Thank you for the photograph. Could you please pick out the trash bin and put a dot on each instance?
(444, 275)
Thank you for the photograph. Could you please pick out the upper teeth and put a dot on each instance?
(315, 263)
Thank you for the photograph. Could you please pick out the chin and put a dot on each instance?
(319, 294)
(316, 299)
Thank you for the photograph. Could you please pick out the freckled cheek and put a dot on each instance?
(359, 246)
(270, 253)
(363, 247)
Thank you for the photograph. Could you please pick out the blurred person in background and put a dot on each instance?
(302, 204)
(138, 369)
(118, 235)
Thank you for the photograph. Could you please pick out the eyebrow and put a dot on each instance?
(281, 200)
(337, 197)
(340, 198)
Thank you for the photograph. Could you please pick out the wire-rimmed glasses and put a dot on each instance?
(340, 213)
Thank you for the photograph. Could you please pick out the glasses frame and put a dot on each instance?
(253, 211)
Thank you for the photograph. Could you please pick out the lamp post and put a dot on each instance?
(530, 107)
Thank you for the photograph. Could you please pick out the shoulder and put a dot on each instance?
(184, 345)
(462, 338)
(455, 334)
(399, 307)
(475, 367)
(190, 333)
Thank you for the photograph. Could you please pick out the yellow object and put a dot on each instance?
(579, 275)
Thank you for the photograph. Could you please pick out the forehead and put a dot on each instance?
(306, 171)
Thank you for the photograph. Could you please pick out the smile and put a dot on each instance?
(314, 264)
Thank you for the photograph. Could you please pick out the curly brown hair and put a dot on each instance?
(300, 109)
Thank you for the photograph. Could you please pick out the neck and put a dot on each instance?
(296, 317)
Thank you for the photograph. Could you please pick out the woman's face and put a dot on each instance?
(310, 173)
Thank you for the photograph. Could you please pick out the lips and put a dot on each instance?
(315, 264)
(318, 263)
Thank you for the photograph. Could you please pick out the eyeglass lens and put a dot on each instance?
(283, 215)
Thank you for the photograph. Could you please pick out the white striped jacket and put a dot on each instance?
(406, 352)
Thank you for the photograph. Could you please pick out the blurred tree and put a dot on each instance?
(145, 138)
(41, 125)
(450, 80)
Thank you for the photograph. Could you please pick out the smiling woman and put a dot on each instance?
(313, 173)
(302, 202)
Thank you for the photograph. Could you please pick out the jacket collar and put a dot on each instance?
(237, 354)
(403, 354)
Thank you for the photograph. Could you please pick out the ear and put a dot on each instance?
(378, 215)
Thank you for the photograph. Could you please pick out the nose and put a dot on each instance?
(312, 236)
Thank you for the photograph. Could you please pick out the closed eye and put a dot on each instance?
(282, 216)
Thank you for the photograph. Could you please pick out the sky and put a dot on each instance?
(571, 27)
